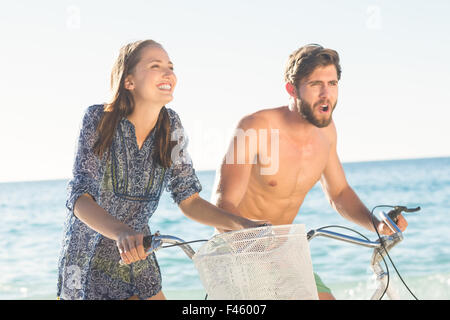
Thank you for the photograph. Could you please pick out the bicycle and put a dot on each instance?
(381, 247)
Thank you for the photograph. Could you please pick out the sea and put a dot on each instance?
(32, 216)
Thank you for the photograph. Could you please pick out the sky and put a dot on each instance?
(229, 58)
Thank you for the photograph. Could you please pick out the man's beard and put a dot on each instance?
(307, 112)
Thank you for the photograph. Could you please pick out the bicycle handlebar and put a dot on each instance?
(381, 246)
(154, 242)
(385, 242)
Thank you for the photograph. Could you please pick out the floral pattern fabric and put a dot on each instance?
(128, 185)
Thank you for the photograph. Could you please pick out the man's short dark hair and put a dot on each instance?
(303, 61)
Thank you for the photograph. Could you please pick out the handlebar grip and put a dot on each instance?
(147, 242)
(413, 209)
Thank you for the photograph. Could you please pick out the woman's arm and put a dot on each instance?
(129, 242)
(97, 218)
(206, 213)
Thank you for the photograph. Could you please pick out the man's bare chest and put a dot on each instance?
(295, 167)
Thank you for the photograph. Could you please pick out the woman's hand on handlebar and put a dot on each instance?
(130, 245)
(384, 228)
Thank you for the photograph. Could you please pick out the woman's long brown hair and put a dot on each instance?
(123, 104)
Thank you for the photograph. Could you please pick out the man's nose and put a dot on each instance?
(325, 92)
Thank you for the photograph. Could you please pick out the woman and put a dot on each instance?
(125, 157)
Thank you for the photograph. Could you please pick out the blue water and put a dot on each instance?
(32, 215)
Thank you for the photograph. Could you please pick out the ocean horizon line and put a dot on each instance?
(212, 170)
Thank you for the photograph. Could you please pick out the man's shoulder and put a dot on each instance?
(261, 118)
(330, 132)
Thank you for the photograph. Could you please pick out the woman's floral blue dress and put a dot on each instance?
(128, 185)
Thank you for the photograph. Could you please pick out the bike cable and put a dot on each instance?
(363, 236)
(183, 243)
(387, 254)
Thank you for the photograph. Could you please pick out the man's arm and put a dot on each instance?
(339, 193)
(342, 197)
(234, 173)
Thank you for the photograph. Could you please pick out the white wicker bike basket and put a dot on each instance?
(266, 263)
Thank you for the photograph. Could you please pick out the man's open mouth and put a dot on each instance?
(324, 108)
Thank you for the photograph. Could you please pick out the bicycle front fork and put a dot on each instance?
(382, 280)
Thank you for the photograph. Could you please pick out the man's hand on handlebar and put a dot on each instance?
(384, 229)
(256, 223)
(249, 223)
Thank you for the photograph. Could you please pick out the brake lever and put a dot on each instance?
(394, 213)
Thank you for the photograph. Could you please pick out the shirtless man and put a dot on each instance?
(295, 147)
